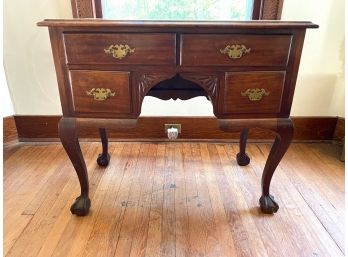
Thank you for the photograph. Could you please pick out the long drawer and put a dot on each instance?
(235, 50)
(120, 48)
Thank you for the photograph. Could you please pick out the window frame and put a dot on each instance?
(262, 9)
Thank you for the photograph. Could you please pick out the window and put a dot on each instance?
(177, 10)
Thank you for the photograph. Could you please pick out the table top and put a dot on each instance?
(264, 24)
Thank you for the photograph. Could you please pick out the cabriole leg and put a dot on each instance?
(69, 139)
(242, 158)
(284, 134)
(104, 157)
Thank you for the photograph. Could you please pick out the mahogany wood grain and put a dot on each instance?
(265, 50)
(149, 48)
(284, 134)
(237, 83)
(198, 26)
(69, 139)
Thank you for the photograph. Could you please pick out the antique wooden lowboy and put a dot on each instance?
(105, 68)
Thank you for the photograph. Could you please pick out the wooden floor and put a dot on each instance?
(173, 199)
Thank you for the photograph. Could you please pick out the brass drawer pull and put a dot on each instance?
(255, 94)
(235, 51)
(119, 51)
(100, 94)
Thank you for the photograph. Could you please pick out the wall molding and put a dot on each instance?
(339, 130)
(10, 134)
(45, 128)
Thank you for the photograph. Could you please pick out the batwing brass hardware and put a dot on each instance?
(100, 94)
(255, 94)
(235, 51)
(119, 51)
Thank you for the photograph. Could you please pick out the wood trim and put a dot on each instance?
(272, 9)
(262, 9)
(38, 128)
(267, 9)
(9, 129)
(339, 130)
(86, 8)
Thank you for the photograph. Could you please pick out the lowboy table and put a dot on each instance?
(105, 68)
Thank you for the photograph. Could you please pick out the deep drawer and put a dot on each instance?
(235, 50)
(101, 92)
(115, 48)
(253, 92)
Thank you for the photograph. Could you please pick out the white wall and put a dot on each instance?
(27, 55)
(31, 78)
(320, 84)
(6, 103)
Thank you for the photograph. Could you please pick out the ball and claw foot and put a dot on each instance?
(103, 160)
(268, 205)
(242, 159)
(81, 206)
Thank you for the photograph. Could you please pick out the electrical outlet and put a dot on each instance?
(167, 126)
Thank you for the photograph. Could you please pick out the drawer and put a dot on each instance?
(115, 48)
(101, 91)
(235, 50)
(253, 92)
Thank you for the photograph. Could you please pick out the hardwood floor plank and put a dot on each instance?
(243, 225)
(17, 196)
(15, 168)
(173, 199)
(212, 245)
(311, 191)
(143, 210)
(34, 235)
(154, 235)
(168, 211)
(289, 214)
(197, 233)
(182, 246)
(221, 221)
(57, 232)
(100, 241)
(86, 228)
(125, 236)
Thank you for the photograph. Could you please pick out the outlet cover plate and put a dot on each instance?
(167, 126)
